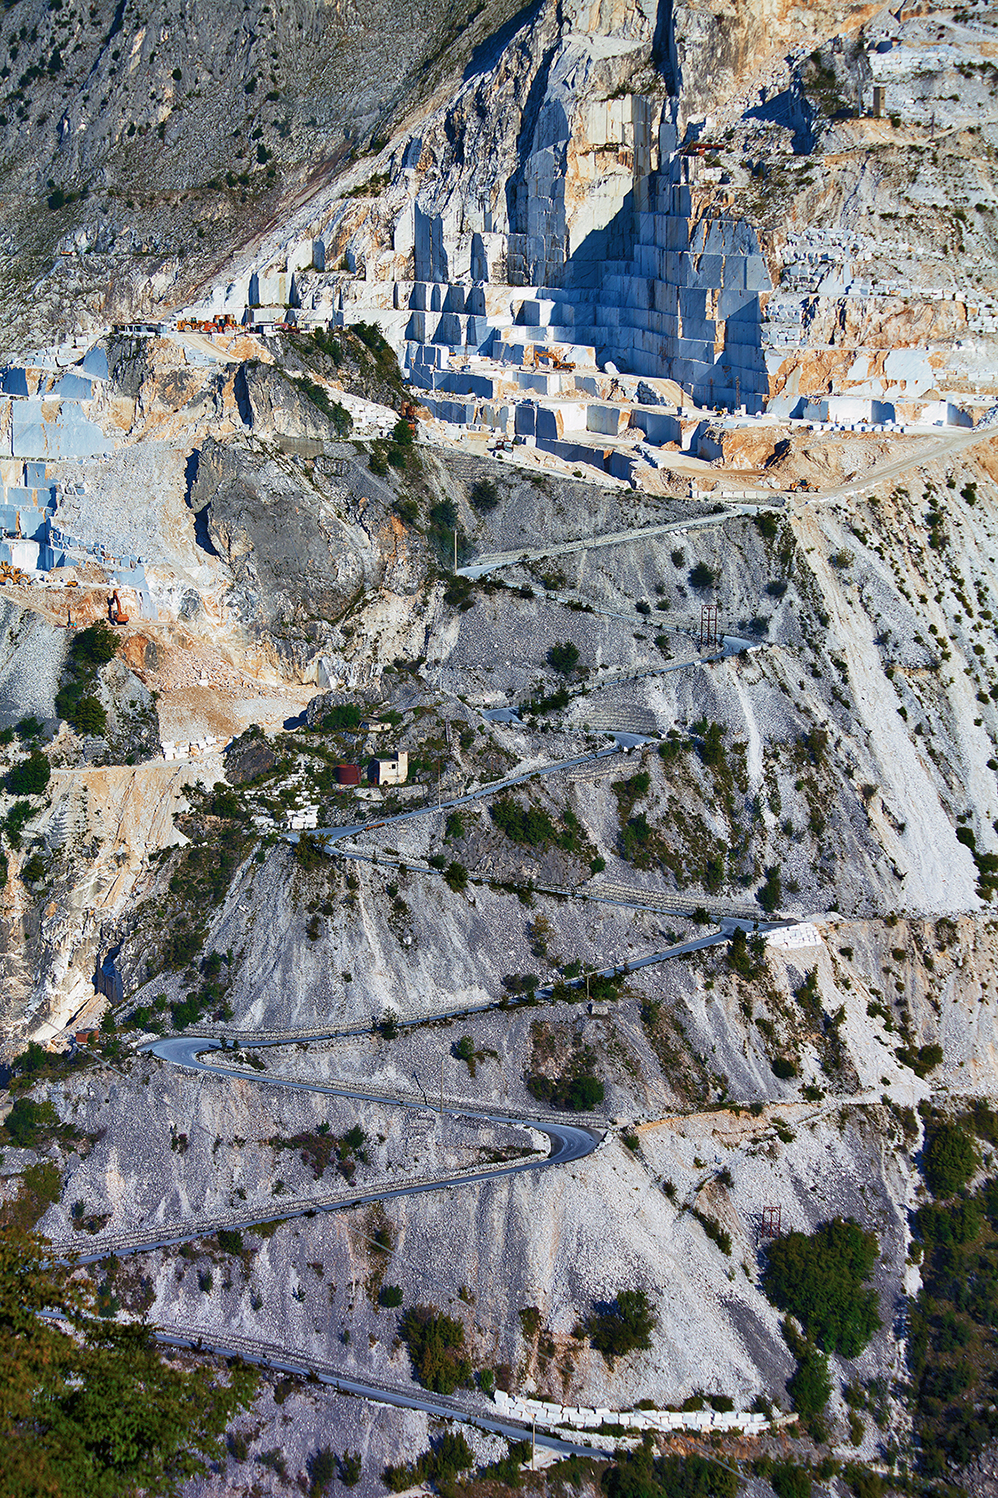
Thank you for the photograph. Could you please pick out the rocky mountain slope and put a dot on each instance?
(593, 777)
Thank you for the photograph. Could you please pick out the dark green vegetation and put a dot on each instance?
(563, 657)
(436, 1347)
(76, 700)
(345, 716)
(450, 1455)
(950, 1158)
(29, 1124)
(338, 416)
(30, 776)
(320, 1148)
(94, 1412)
(533, 827)
(626, 1326)
(952, 1349)
(574, 1085)
(202, 873)
(641, 1474)
(820, 1279)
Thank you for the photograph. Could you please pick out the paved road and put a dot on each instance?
(568, 1142)
(439, 1405)
(336, 834)
(776, 499)
(945, 447)
(499, 559)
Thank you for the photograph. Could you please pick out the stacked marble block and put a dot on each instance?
(556, 1416)
(688, 303)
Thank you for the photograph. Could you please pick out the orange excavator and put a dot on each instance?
(114, 610)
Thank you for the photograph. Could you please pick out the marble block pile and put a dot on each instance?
(559, 1417)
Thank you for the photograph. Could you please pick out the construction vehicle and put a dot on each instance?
(555, 360)
(11, 574)
(114, 610)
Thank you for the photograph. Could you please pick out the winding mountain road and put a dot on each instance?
(935, 449)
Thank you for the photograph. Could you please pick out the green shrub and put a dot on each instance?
(523, 824)
(484, 496)
(583, 1093)
(640, 1474)
(87, 715)
(94, 646)
(30, 776)
(456, 876)
(436, 1347)
(349, 1468)
(626, 1327)
(338, 416)
(784, 1068)
(390, 1296)
(809, 1386)
(949, 1160)
(33, 869)
(790, 1481)
(29, 1122)
(344, 717)
(563, 657)
(770, 894)
(820, 1278)
(702, 577)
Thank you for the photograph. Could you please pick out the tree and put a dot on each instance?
(950, 1159)
(90, 1409)
(809, 1386)
(563, 657)
(484, 496)
(626, 1327)
(640, 1474)
(820, 1280)
(88, 716)
(30, 777)
(94, 646)
(28, 1121)
(349, 1465)
(344, 716)
(702, 577)
(583, 1093)
(456, 875)
(436, 1347)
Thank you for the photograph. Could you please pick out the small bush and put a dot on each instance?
(31, 776)
(563, 657)
(702, 577)
(626, 1327)
(390, 1296)
(436, 1347)
(484, 496)
(950, 1159)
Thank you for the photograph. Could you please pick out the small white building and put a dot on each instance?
(303, 820)
(390, 770)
